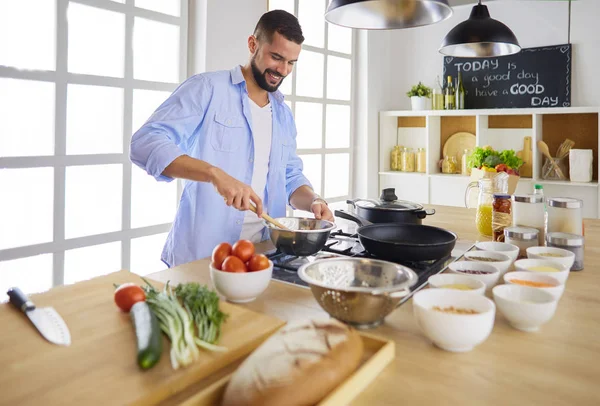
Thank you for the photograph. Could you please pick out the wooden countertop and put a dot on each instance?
(559, 365)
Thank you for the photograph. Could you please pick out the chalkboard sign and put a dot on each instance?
(535, 77)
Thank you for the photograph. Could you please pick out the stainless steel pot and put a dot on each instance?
(360, 292)
(305, 236)
(388, 209)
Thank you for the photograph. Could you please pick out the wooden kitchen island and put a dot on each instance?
(559, 365)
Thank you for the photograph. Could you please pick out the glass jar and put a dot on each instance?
(501, 215)
(529, 211)
(421, 160)
(550, 171)
(395, 158)
(522, 237)
(465, 168)
(449, 164)
(487, 186)
(565, 215)
(571, 242)
(408, 160)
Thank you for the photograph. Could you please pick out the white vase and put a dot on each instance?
(420, 103)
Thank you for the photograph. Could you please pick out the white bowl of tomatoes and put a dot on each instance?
(238, 273)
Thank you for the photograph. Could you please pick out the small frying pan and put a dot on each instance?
(402, 242)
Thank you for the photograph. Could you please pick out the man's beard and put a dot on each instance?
(261, 78)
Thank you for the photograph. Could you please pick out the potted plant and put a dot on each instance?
(420, 97)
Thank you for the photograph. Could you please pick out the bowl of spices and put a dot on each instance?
(457, 282)
(512, 251)
(499, 260)
(544, 266)
(481, 271)
(565, 257)
(540, 281)
(525, 308)
(454, 320)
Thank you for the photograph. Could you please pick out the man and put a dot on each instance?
(233, 139)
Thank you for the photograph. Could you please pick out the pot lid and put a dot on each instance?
(396, 205)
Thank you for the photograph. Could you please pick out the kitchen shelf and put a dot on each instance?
(501, 129)
(400, 173)
(567, 183)
(489, 112)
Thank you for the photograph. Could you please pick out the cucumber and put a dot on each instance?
(147, 334)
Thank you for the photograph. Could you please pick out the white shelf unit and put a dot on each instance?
(499, 128)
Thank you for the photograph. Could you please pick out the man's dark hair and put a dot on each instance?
(278, 21)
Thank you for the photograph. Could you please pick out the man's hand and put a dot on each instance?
(235, 193)
(321, 210)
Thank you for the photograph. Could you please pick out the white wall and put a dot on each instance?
(219, 31)
(415, 55)
(397, 59)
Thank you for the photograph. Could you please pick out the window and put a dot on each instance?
(77, 79)
(319, 92)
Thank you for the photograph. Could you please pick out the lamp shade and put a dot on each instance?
(386, 14)
(480, 36)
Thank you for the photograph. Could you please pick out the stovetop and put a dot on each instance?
(346, 244)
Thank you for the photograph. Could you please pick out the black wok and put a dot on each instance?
(402, 242)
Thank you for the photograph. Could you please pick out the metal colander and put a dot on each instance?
(360, 292)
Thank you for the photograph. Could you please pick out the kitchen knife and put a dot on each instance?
(48, 322)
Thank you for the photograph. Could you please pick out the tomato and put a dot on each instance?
(219, 254)
(243, 249)
(127, 295)
(258, 262)
(234, 264)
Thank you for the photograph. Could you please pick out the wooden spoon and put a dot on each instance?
(543, 147)
(269, 219)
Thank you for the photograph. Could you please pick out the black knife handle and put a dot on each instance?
(20, 300)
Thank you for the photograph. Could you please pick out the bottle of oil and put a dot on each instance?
(449, 95)
(460, 93)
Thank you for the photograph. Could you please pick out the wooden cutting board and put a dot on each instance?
(100, 366)
(526, 170)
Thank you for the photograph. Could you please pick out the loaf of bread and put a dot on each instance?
(299, 365)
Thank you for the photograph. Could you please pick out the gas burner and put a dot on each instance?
(341, 244)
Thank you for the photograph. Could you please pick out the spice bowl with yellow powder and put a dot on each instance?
(563, 256)
(536, 280)
(457, 282)
(544, 267)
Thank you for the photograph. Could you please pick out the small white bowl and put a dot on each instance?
(556, 290)
(510, 250)
(525, 308)
(526, 264)
(441, 281)
(454, 332)
(489, 277)
(241, 287)
(567, 258)
(501, 261)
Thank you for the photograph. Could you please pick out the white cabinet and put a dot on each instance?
(499, 128)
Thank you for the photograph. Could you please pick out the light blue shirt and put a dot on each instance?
(208, 117)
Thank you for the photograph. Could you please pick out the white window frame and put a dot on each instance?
(59, 161)
(293, 98)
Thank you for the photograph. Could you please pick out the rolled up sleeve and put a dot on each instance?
(169, 132)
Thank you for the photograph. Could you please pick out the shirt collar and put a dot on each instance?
(237, 77)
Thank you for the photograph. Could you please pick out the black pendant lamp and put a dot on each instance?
(480, 36)
(386, 14)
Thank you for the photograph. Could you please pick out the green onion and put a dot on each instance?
(190, 316)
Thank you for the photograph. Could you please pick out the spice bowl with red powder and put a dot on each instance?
(540, 281)
(485, 272)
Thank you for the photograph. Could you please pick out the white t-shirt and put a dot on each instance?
(262, 130)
